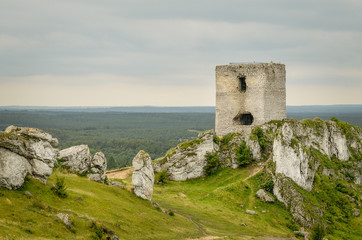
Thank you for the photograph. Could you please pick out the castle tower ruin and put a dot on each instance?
(249, 94)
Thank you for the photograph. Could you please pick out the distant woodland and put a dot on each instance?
(120, 135)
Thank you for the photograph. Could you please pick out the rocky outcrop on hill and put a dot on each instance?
(187, 160)
(296, 156)
(264, 196)
(25, 151)
(98, 167)
(143, 175)
(78, 159)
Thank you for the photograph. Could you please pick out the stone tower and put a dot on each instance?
(249, 94)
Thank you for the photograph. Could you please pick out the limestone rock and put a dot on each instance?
(187, 160)
(28, 194)
(13, 169)
(33, 145)
(143, 175)
(33, 133)
(356, 212)
(251, 212)
(293, 163)
(65, 219)
(77, 158)
(117, 184)
(40, 170)
(264, 196)
(30, 143)
(294, 201)
(98, 167)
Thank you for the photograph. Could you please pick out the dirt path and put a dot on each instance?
(195, 223)
(120, 174)
(254, 172)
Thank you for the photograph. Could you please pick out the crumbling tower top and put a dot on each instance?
(249, 94)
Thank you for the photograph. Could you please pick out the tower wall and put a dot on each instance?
(263, 99)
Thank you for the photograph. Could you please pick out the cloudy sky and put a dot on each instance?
(164, 52)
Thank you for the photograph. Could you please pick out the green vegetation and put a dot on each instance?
(60, 188)
(161, 177)
(318, 232)
(93, 208)
(118, 135)
(218, 203)
(227, 138)
(243, 154)
(190, 144)
(213, 163)
(259, 135)
(216, 139)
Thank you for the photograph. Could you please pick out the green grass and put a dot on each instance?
(214, 203)
(109, 207)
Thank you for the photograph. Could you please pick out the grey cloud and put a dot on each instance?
(161, 42)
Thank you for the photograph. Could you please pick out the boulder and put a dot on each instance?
(251, 212)
(31, 152)
(65, 219)
(117, 184)
(98, 167)
(264, 196)
(31, 143)
(187, 160)
(13, 169)
(143, 176)
(77, 158)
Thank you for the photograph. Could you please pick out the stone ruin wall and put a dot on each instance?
(264, 97)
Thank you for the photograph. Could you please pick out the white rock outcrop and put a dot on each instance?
(264, 196)
(187, 160)
(76, 159)
(13, 169)
(98, 167)
(143, 176)
(293, 163)
(25, 151)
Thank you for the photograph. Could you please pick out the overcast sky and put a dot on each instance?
(164, 52)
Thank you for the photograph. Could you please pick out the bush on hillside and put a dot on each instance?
(161, 177)
(243, 154)
(263, 141)
(212, 163)
(318, 232)
(60, 188)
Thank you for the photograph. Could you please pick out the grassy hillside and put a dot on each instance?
(89, 204)
(211, 206)
(208, 206)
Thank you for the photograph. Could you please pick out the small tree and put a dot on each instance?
(212, 163)
(243, 154)
(162, 177)
(60, 188)
(318, 232)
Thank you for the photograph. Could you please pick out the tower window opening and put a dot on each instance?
(242, 84)
(244, 119)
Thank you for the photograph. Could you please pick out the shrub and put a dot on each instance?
(60, 188)
(171, 213)
(216, 139)
(227, 138)
(161, 177)
(268, 186)
(263, 141)
(243, 154)
(318, 232)
(334, 119)
(212, 163)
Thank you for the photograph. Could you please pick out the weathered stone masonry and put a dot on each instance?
(249, 94)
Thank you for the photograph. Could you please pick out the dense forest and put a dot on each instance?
(120, 135)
